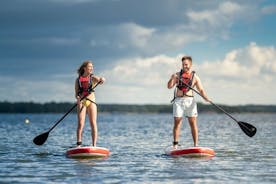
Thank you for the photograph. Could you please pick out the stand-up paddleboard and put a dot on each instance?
(87, 152)
(190, 151)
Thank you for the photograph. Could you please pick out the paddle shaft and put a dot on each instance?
(62, 117)
(40, 139)
(69, 110)
(214, 104)
(247, 128)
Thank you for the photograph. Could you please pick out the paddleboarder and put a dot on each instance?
(184, 103)
(86, 103)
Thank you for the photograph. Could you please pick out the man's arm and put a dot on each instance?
(172, 81)
(200, 89)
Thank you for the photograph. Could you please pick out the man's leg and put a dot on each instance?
(176, 130)
(194, 129)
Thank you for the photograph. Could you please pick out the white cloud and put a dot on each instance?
(139, 80)
(138, 36)
(141, 40)
(142, 76)
(243, 76)
(198, 26)
(223, 15)
(246, 63)
(217, 21)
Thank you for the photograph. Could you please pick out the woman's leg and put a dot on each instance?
(81, 120)
(92, 113)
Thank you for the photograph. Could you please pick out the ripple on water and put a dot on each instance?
(137, 143)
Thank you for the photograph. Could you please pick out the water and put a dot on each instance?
(137, 143)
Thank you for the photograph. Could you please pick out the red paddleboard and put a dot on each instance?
(87, 152)
(190, 151)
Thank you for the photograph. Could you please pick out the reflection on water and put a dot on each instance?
(137, 143)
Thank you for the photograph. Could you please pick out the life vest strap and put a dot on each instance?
(180, 97)
(90, 100)
(181, 83)
(178, 86)
(90, 88)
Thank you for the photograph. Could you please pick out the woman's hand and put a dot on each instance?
(102, 80)
(78, 99)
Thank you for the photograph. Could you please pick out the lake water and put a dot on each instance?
(137, 143)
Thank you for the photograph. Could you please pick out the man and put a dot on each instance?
(184, 103)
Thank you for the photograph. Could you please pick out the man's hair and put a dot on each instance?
(187, 57)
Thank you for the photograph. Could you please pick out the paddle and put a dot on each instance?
(247, 128)
(40, 139)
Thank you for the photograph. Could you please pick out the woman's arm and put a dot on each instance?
(97, 79)
(76, 89)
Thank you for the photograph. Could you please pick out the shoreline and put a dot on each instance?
(61, 107)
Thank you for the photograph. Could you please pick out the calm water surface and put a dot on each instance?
(137, 143)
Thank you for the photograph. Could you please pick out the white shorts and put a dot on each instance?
(184, 106)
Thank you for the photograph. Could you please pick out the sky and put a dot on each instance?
(137, 46)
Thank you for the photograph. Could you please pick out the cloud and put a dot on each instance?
(132, 38)
(99, 28)
(125, 36)
(138, 80)
(241, 77)
(21, 90)
(134, 48)
(245, 63)
(74, 1)
(138, 36)
(269, 9)
(224, 13)
(244, 75)
(216, 21)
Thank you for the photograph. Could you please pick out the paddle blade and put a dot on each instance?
(40, 139)
(248, 129)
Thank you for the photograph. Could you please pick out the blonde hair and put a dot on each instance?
(83, 65)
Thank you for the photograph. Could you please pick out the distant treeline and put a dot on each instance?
(53, 107)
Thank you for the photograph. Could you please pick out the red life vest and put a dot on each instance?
(185, 79)
(85, 85)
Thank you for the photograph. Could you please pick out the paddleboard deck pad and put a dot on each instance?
(190, 152)
(87, 152)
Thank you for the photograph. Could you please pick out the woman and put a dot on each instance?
(85, 96)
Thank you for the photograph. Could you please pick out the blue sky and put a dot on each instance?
(137, 46)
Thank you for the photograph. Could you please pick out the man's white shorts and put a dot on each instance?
(184, 106)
